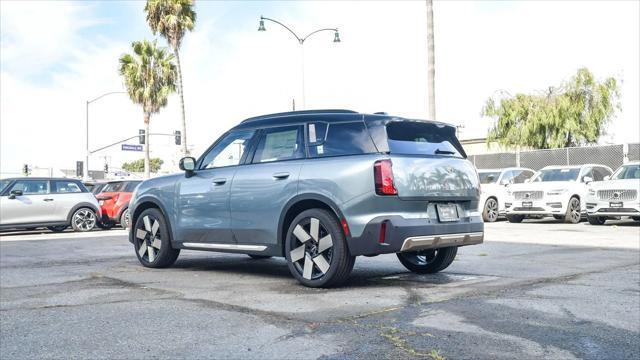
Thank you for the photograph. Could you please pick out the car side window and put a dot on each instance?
(507, 177)
(31, 187)
(228, 151)
(277, 144)
(350, 138)
(586, 172)
(521, 176)
(132, 186)
(60, 186)
(599, 173)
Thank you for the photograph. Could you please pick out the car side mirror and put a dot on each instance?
(607, 178)
(587, 179)
(15, 193)
(188, 165)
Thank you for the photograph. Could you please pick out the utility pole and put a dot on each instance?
(431, 81)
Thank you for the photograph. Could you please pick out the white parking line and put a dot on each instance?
(62, 236)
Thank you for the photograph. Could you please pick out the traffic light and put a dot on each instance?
(25, 170)
(106, 168)
(79, 168)
(141, 136)
(178, 136)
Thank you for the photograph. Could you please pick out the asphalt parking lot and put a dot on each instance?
(532, 290)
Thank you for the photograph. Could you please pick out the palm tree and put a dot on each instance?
(149, 75)
(172, 18)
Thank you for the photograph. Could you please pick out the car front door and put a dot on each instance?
(34, 206)
(261, 189)
(203, 215)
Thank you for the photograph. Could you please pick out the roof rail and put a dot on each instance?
(301, 112)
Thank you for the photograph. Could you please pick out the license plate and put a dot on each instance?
(615, 204)
(527, 204)
(447, 212)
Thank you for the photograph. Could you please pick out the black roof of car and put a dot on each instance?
(326, 115)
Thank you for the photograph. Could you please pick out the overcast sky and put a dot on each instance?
(56, 55)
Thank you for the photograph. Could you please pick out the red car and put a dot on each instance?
(114, 203)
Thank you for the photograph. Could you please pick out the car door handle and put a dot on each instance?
(48, 199)
(219, 181)
(280, 175)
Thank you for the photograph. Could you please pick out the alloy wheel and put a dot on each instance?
(148, 238)
(311, 250)
(575, 210)
(84, 219)
(126, 218)
(492, 210)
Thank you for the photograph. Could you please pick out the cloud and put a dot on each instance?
(231, 71)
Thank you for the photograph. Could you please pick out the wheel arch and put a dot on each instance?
(79, 206)
(144, 203)
(298, 204)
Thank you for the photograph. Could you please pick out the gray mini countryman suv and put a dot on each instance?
(318, 188)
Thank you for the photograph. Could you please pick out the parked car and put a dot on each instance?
(493, 189)
(558, 191)
(616, 196)
(318, 188)
(95, 186)
(114, 203)
(55, 203)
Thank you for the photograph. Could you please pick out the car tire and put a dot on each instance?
(428, 261)
(573, 215)
(596, 220)
(152, 241)
(316, 250)
(84, 219)
(58, 228)
(490, 211)
(515, 218)
(125, 219)
(259, 257)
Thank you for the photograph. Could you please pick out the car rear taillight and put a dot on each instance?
(383, 177)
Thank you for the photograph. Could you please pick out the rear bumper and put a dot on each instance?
(403, 234)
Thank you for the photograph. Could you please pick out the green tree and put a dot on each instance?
(149, 75)
(172, 18)
(573, 114)
(138, 165)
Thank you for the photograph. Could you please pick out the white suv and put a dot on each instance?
(494, 184)
(615, 197)
(557, 191)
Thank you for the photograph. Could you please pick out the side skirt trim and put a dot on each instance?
(225, 246)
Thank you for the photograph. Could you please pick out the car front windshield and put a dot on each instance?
(627, 172)
(3, 184)
(488, 177)
(557, 174)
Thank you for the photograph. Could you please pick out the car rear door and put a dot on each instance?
(65, 195)
(34, 206)
(262, 187)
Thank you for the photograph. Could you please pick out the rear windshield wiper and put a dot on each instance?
(444, 152)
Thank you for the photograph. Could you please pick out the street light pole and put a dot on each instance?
(85, 171)
(301, 40)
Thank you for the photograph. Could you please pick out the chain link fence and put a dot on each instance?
(610, 155)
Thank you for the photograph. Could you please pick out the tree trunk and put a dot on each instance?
(147, 170)
(431, 62)
(185, 151)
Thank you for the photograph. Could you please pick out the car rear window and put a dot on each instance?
(114, 187)
(423, 138)
(351, 138)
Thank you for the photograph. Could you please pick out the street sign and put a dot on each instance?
(130, 147)
(79, 168)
